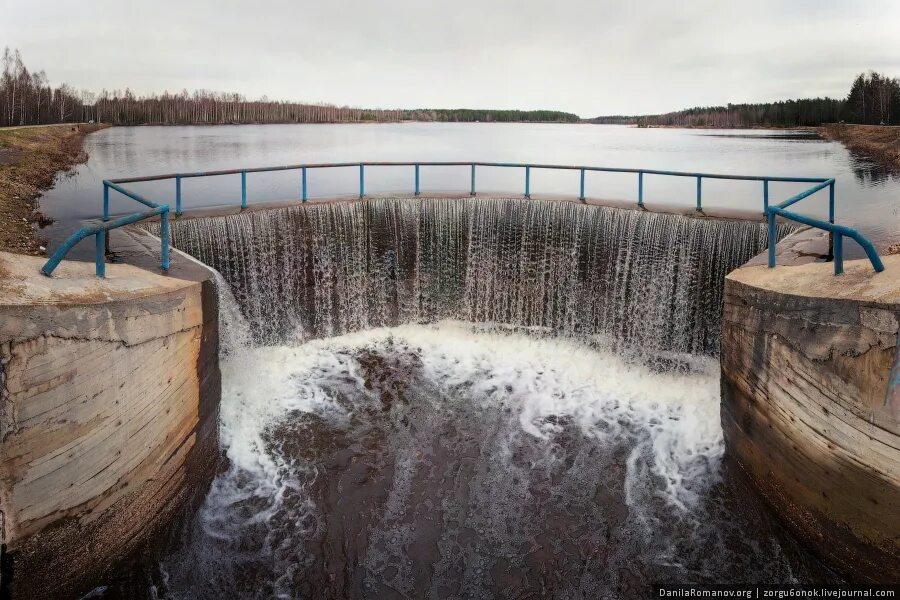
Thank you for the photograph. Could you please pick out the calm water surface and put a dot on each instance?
(867, 196)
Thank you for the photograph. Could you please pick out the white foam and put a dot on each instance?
(672, 418)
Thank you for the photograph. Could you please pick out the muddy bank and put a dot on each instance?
(30, 158)
(880, 143)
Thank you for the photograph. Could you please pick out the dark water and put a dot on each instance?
(458, 461)
(867, 196)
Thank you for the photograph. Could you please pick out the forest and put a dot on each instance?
(27, 98)
(468, 115)
(873, 99)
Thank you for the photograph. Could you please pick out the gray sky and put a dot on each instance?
(585, 56)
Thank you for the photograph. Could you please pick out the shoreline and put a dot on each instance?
(880, 143)
(31, 157)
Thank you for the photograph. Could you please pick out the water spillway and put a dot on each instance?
(472, 398)
(642, 279)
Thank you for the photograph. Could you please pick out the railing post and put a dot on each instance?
(100, 253)
(105, 201)
(773, 234)
(243, 189)
(831, 237)
(417, 180)
(164, 239)
(303, 184)
(178, 195)
(362, 180)
(106, 213)
(765, 195)
(581, 192)
(838, 253)
(472, 184)
(831, 202)
(528, 182)
(641, 189)
(699, 188)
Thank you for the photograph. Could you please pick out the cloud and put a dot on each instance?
(586, 56)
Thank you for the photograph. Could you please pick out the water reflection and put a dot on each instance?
(870, 172)
(866, 193)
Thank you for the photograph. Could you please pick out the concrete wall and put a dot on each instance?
(806, 360)
(108, 406)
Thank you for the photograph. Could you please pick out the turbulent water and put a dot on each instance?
(466, 399)
(454, 461)
(649, 280)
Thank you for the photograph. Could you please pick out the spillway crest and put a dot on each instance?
(645, 279)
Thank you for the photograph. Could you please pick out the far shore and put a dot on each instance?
(879, 142)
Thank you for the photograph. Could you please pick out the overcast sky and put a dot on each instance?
(590, 57)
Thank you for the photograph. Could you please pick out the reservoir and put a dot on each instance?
(866, 193)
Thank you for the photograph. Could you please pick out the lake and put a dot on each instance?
(867, 196)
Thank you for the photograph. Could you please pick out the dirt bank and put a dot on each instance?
(881, 143)
(30, 158)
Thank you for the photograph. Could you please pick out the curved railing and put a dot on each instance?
(838, 232)
(99, 231)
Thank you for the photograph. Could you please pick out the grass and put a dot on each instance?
(876, 141)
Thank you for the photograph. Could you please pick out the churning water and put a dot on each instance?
(471, 399)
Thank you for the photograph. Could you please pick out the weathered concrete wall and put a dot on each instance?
(806, 360)
(107, 415)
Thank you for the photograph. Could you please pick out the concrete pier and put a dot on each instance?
(110, 393)
(808, 408)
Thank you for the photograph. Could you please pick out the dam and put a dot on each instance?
(449, 395)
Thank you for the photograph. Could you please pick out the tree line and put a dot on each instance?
(205, 107)
(468, 115)
(27, 98)
(874, 99)
(786, 113)
(213, 108)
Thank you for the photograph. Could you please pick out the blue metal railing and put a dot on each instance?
(837, 232)
(99, 231)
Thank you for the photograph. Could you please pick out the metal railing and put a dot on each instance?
(838, 232)
(99, 231)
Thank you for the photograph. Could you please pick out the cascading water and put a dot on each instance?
(465, 399)
(651, 280)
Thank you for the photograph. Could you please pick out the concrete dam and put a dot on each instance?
(445, 396)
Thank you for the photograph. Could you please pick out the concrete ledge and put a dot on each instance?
(687, 210)
(806, 358)
(106, 434)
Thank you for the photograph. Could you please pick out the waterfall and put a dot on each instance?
(433, 459)
(651, 281)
